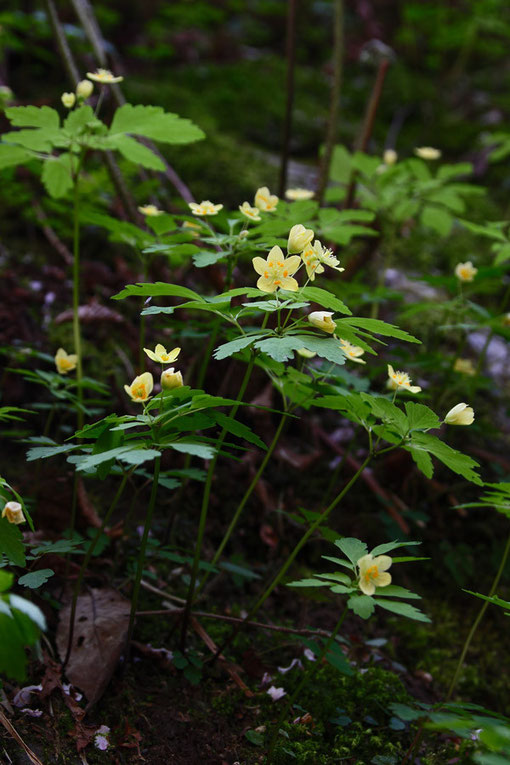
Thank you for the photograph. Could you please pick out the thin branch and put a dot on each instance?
(14, 733)
(291, 65)
(60, 37)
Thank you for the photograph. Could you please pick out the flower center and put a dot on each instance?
(139, 391)
(372, 572)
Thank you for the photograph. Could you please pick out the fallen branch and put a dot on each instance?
(14, 733)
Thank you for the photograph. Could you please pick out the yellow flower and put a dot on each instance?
(104, 76)
(305, 353)
(465, 272)
(401, 380)
(68, 99)
(171, 379)
(250, 212)
(299, 238)
(161, 355)
(150, 210)
(296, 194)
(276, 272)
(322, 320)
(65, 362)
(84, 89)
(353, 352)
(13, 512)
(315, 258)
(461, 414)
(465, 367)
(141, 388)
(427, 152)
(264, 200)
(205, 207)
(193, 228)
(390, 156)
(373, 572)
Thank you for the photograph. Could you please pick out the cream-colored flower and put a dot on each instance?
(205, 207)
(465, 367)
(352, 352)
(13, 511)
(104, 76)
(461, 414)
(506, 320)
(401, 380)
(305, 353)
(299, 238)
(390, 157)
(161, 355)
(264, 200)
(65, 362)
(150, 210)
(141, 388)
(373, 572)
(299, 194)
(253, 213)
(427, 152)
(191, 227)
(68, 99)
(322, 320)
(315, 257)
(465, 272)
(84, 89)
(171, 379)
(277, 271)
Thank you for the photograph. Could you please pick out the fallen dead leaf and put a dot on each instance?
(100, 631)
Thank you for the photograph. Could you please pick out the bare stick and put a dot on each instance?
(14, 733)
(291, 65)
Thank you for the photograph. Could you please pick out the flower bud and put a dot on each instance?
(13, 512)
(461, 414)
(390, 156)
(171, 379)
(84, 89)
(322, 320)
(299, 238)
(68, 99)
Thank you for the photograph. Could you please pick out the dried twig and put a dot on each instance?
(14, 733)
(291, 65)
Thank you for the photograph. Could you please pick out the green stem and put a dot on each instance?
(85, 563)
(307, 677)
(478, 620)
(304, 539)
(141, 555)
(205, 505)
(245, 499)
(208, 351)
(76, 300)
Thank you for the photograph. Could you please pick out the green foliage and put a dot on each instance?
(21, 623)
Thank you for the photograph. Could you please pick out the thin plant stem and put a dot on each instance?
(334, 104)
(478, 619)
(306, 678)
(290, 560)
(244, 500)
(208, 351)
(76, 299)
(85, 563)
(142, 553)
(205, 505)
(291, 65)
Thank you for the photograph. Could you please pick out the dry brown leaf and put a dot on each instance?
(268, 535)
(100, 631)
(88, 510)
(93, 312)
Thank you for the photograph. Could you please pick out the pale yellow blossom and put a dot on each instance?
(141, 388)
(161, 355)
(171, 379)
(264, 200)
(253, 213)
(104, 76)
(322, 320)
(150, 210)
(402, 380)
(299, 194)
(13, 511)
(299, 238)
(305, 353)
(277, 271)
(461, 414)
(352, 352)
(65, 362)
(315, 257)
(373, 572)
(465, 272)
(465, 367)
(390, 157)
(206, 207)
(68, 99)
(84, 89)
(427, 152)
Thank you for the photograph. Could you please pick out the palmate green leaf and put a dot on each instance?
(153, 122)
(228, 349)
(388, 546)
(352, 405)
(10, 155)
(11, 543)
(56, 175)
(279, 348)
(196, 448)
(43, 452)
(437, 218)
(423, 461)
(457, 461)
(78, 118)
(420, 416)
(353, 548)
(362, 605)
(326, 347)
(36, 579)
(387, 412)
(237, 428)
(378, 327)
(34, 140)
(324, 298)
(6, 580)
(156, 289)
(136, 152)
(308, 583)
(129, 454)
(402, 609)
(33, 116)
(394, 591)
